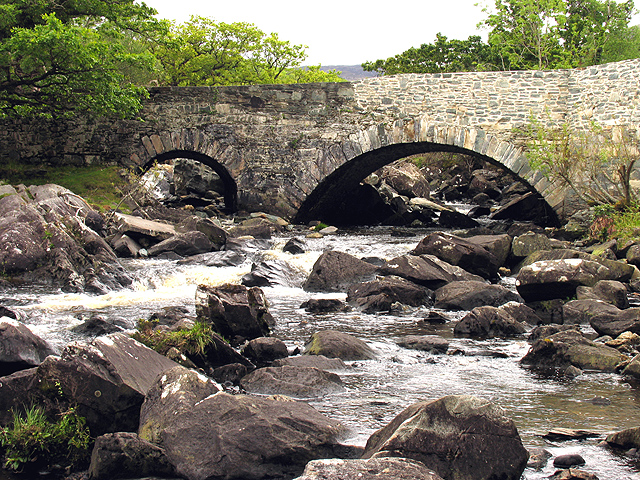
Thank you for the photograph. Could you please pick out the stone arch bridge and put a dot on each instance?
(294, 150)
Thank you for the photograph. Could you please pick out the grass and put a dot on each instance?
(100, 186)
(34, 440)
(616, 222)
(191, 341)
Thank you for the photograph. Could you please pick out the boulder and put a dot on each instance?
(367, 469)
(324, 305)
(107, 379)
(633, 368)
(572, 474)
(215, 233)
(235, 311)
(460, 437)
(335, 271)
(521, 312)
(20, 348)
(426, 343)
(45, 238)
(580, 312)
(314, 361)
(614, 323)
(498, 245)
(571, 348)
(610, 291)
(470, 294)
(269, 273)
(544, 331)
(569, 460)
(528, 207)
(381, 293)
(226, 258)
(217, 435)
(454, 219)
(264, 350)
(334, 344)
(549, 279)
(259, 228)
(16, 391)
(125, 455)
(427, 270)
(460, 252)
(629, 438)
(406, 179)
(488, 322)
(295, 246)
(183, 244)
(292, 381)
(143, 231)
(96, 326)
(524, 245)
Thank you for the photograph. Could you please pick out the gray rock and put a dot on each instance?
(470, 294)
(335, 271)
(264, 350)
(427, 270)
(488, 322)
(568, 461)
(610, 291)
(324, 305)
(531, 242)
(459, 437)
(292, 381)
(334, 344)
(184, 244)
(427, 343)
(629, 438)
(380, 294)
(20, 348)
(125, 455)
(314, 361)
(367, 469)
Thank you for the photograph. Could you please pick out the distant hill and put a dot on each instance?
(349, 72)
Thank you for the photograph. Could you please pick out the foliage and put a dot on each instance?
(205, 52)
(192, 341)
(596, 163)
(58, 58)
(34, 438)
(441, 56)
(529, 34)
(616, 221)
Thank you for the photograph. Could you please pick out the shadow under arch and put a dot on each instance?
(230, 185)
(331, 192)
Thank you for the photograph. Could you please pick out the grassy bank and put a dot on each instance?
(101, 186)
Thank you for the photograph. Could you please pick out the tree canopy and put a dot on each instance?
(529, 34)
(60, 57)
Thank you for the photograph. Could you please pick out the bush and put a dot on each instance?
(34, 440)
(191, 341)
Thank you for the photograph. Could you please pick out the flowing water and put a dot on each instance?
(377, 390)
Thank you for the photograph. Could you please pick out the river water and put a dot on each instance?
(376, 390)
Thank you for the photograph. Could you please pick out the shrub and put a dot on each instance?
(191, 341)
(35, 440)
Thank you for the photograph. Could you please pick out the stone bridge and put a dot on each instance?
(294, 150)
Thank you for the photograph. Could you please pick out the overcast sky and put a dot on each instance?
(340, 32)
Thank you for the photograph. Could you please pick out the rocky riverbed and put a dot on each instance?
(342, 345)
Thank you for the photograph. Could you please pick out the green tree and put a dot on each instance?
(203, 51)
(443, 55)
(60, 57)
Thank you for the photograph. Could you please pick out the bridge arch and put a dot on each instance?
(369, 150)
(230, 186)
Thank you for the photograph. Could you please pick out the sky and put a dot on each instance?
(340, 32)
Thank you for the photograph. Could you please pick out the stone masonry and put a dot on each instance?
(289, 149)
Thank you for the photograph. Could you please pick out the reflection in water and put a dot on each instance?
(378, 390)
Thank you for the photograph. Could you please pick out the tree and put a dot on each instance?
(441, 56)
(205, 52)
(596, 163)
(60, 57)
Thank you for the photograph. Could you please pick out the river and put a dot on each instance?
(377, 390)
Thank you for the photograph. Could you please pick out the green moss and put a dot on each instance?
(194, 340)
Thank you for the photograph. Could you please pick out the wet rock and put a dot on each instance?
(143, 231)
(125, 246)
(521, 312)
(580, 312)
(294, 246)
(538, 458)
(427, 343)
(548, 279)
(367, 469)
(324, 305)
(227, 258)
(528, 207)
(626, 341)
(217, 435)
(101, 379)
(427, 270)
(292, 381)
(488, 322)
(453, 219)
(235, 311)
(470, 294)
(565, 434)
(459, 437)
(628, 438)
(96, 326)
(573, 474)
(215, 233)
(568, 461)
(614, 323)
(544, 331)
(335, 271)
(125, 455)
(406, 179)
(264, 350)
(609, 291)
(524, 245)
(269, 273)
(20, 348)
(498, 245)
(183, 244)
(460, 252)
(16, 391)
(549, 311)
(633, 368)
(261, 229)
(170, 316)
(314, 361)
(381, 293)
(334, 344)
(229, 374)
(563, 349)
